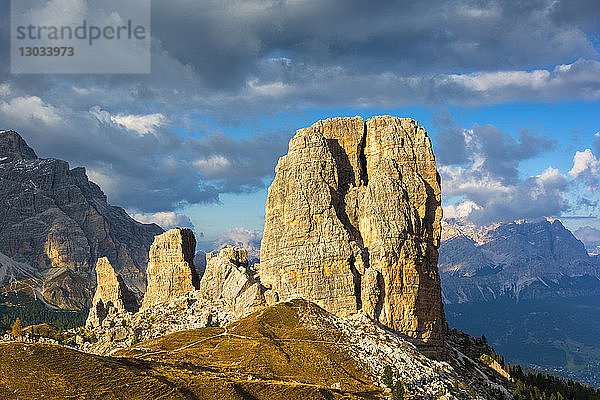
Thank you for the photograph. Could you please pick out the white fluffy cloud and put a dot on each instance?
(481, 176)
(5, 90)
(164, 219)
(30, 109)
(461, 210)
(584, 162)
(539, 84)
(241, 237)
(213, 166)
(107, 182)
(538, 196)
(141, 124)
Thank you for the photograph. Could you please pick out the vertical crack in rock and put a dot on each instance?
(353, 223)
(362, 159)
(357, 283)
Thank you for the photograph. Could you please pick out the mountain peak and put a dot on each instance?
(14, 147)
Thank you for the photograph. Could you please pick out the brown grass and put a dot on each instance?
(269, 355)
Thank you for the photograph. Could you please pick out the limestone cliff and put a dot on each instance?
(171, 269)
(112, 295)
(353, 222)
(53, 219)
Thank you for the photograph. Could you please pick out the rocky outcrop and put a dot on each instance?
(59, 223)
(171, 269)
(112, 295)
(353, 223)
(228, 277)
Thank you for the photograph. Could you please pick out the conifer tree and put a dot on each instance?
(17, 330)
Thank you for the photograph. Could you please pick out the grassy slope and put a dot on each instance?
(269, 355)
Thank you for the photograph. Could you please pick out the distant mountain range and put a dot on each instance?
(531, 288)
(55, 224)
(520, 260)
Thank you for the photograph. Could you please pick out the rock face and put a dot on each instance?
(525, 259)
(171, 269)
(353, 222)
(228, 277)
(112, 295)
(57, 222)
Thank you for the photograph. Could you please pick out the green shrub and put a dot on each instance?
(398, 390)
(388, 376)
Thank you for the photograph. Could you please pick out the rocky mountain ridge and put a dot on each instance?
(231, 305)
(521, 259)
(55, 224)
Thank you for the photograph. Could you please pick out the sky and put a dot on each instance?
(508, 91)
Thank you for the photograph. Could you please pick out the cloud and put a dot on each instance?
(29, 110)
(152, 172)
(213, 166)
(537, 196)
(461, 210)
(5, 90)
(229, 39)
(226, 60)
(164, 219)
(239, 237)
(146, 140)
(579, 80)
(484, 179)
(588, 235)
(238, 165)
(493, 155)
(142, 124)
(107, 182)
(585, 164)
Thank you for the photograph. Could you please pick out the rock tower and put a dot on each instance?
(353, 223)
(112, 295)
(229, 277)
(171, 269)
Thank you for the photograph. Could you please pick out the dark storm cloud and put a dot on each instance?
(223, 39)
